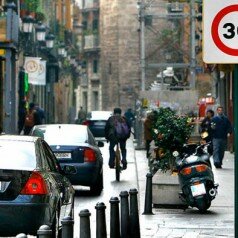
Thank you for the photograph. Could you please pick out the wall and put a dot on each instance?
(119, 53)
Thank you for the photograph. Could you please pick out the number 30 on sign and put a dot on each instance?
(220, 31)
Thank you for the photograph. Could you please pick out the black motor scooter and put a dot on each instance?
(195, 175)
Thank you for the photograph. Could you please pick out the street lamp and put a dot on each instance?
(61, 49)
(49, 39)
(27, 24)
(40, 32)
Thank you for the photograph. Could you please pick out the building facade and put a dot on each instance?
(120, 66)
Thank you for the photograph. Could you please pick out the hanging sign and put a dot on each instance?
(36, 69)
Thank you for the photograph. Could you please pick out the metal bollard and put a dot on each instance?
(125, 232)
(114, 218)
(134, 215)
(101, 230)
(67, 227)
(148, 195)
(85, 231)
(22, 235)
(44, 232)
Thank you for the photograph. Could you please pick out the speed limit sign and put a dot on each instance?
(220, 31)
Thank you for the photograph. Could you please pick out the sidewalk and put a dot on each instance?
(217, 222)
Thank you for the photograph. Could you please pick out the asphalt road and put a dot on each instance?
(112, 188)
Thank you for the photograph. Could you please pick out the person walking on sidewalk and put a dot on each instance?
(206, 124)
(148, 132)
(117, 130)
(221, 130)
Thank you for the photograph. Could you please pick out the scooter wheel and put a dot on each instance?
(203, 205)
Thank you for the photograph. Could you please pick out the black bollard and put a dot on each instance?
(101, 230)
(125, 232)
(22, 235)
(85, 224)
(67, 227)
(114, 218)
(148, 195)
(44, 232)
(134, 215)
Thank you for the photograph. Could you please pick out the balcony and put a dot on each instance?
(91, 43)
(95, 77)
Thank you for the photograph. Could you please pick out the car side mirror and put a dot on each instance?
(69, 169)
(100, 144)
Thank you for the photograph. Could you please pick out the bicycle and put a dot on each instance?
(118, 167)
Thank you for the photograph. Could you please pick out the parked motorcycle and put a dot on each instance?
(195, 175)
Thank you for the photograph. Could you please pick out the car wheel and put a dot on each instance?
(96, 189)
(56, 231)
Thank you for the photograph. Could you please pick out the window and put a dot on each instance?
(95, 24)
(85, 25)
(110, 68)
(95, 101)
(54, 167)
(95, 66)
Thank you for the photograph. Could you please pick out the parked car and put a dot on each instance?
(75, 144)
(96, 121)
(33, 188)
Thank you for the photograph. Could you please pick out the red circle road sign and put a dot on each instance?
(214, 30)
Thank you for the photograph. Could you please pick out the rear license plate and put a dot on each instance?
(63, 155)
(198, 189)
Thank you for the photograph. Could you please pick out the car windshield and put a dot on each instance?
(17, 156)
(59, 135)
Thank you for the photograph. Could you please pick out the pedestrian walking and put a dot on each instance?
(31, 119)
(41, 114)
(117, 130)
(148, 123)
(21, 116)
(129, 115)
(205, 125)
(81, 116)
(221, 130)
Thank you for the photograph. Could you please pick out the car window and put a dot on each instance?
(63, 135)
(50, 158)
(17, 155)
(91, 139)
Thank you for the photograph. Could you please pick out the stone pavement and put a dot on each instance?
(170, 222)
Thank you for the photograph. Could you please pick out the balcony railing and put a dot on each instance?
(91, 42)
(95, 77)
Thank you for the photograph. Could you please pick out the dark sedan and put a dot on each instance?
(96, 121)
(33, 188)
(74, 144)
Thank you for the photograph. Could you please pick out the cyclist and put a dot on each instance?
(117, 130)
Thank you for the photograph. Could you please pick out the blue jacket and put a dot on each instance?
(221, 126)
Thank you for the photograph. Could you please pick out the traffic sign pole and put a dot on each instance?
(236, 144)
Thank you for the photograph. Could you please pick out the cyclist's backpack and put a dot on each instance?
(121, 128)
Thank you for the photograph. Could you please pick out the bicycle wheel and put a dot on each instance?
(118, 163)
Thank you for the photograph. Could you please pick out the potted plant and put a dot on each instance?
(170, 132)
